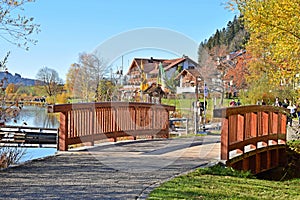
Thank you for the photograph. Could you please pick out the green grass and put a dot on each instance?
(294, 145)
(219, 182)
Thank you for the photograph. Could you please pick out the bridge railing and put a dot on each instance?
(24, 136)
(253, 137)
(90, 122)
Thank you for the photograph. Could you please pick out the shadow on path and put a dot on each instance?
(124, 170)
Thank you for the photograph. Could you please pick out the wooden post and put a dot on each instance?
(224, 140)
(92, 123)
(63, 132)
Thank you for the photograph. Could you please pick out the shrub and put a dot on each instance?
(10, 156)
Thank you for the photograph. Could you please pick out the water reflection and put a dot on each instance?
(35, 116)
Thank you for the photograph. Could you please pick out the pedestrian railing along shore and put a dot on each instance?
(253, 137)
(23, 136)
(90, 122)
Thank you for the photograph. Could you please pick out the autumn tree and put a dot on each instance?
(50, 80)
(83, 78)
(11, 88)
(71, 77)
(208, 59)
(16, 29)
(108, 91)
(212, 51)
(274, 38)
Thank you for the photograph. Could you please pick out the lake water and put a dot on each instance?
(34, 116)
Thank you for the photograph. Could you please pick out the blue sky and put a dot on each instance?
(71, 27)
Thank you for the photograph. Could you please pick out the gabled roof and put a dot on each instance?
(151, 65)
(148, 64)
(194, 72)
(168, 64)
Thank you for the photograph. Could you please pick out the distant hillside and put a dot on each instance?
(17, 79)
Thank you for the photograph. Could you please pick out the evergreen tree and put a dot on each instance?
(234, 37)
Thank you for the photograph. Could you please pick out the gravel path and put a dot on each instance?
(123, 170)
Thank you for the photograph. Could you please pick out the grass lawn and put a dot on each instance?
(218, 182)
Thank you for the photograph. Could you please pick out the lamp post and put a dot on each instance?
(196, 106)
(205, 93)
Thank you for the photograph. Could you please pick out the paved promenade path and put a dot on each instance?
(122, 170)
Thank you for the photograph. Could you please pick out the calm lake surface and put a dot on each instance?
(34, 116)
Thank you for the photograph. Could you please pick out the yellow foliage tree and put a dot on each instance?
(11, 88)
(62, 98)
(274, 38)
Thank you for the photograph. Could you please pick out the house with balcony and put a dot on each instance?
(189, 80)
(150, 67)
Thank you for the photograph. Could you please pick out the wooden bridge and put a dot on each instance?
(253, 137)
(90, 122)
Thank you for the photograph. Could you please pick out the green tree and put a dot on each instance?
(234, 37)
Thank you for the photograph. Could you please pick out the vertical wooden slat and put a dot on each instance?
(247, 127)
(92, 125)
(254, 125)
(275, 123)
(232, 126)
(259, 124)
(265, 123)
(283, 124)
(240, 128)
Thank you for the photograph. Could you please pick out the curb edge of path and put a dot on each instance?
(146, 191)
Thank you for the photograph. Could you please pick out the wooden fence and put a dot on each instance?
(90, 122)
(253, 137)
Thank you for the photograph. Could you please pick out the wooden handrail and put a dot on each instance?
(89, 122)
(226, 112)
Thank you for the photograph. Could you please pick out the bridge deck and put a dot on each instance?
(122, 170)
